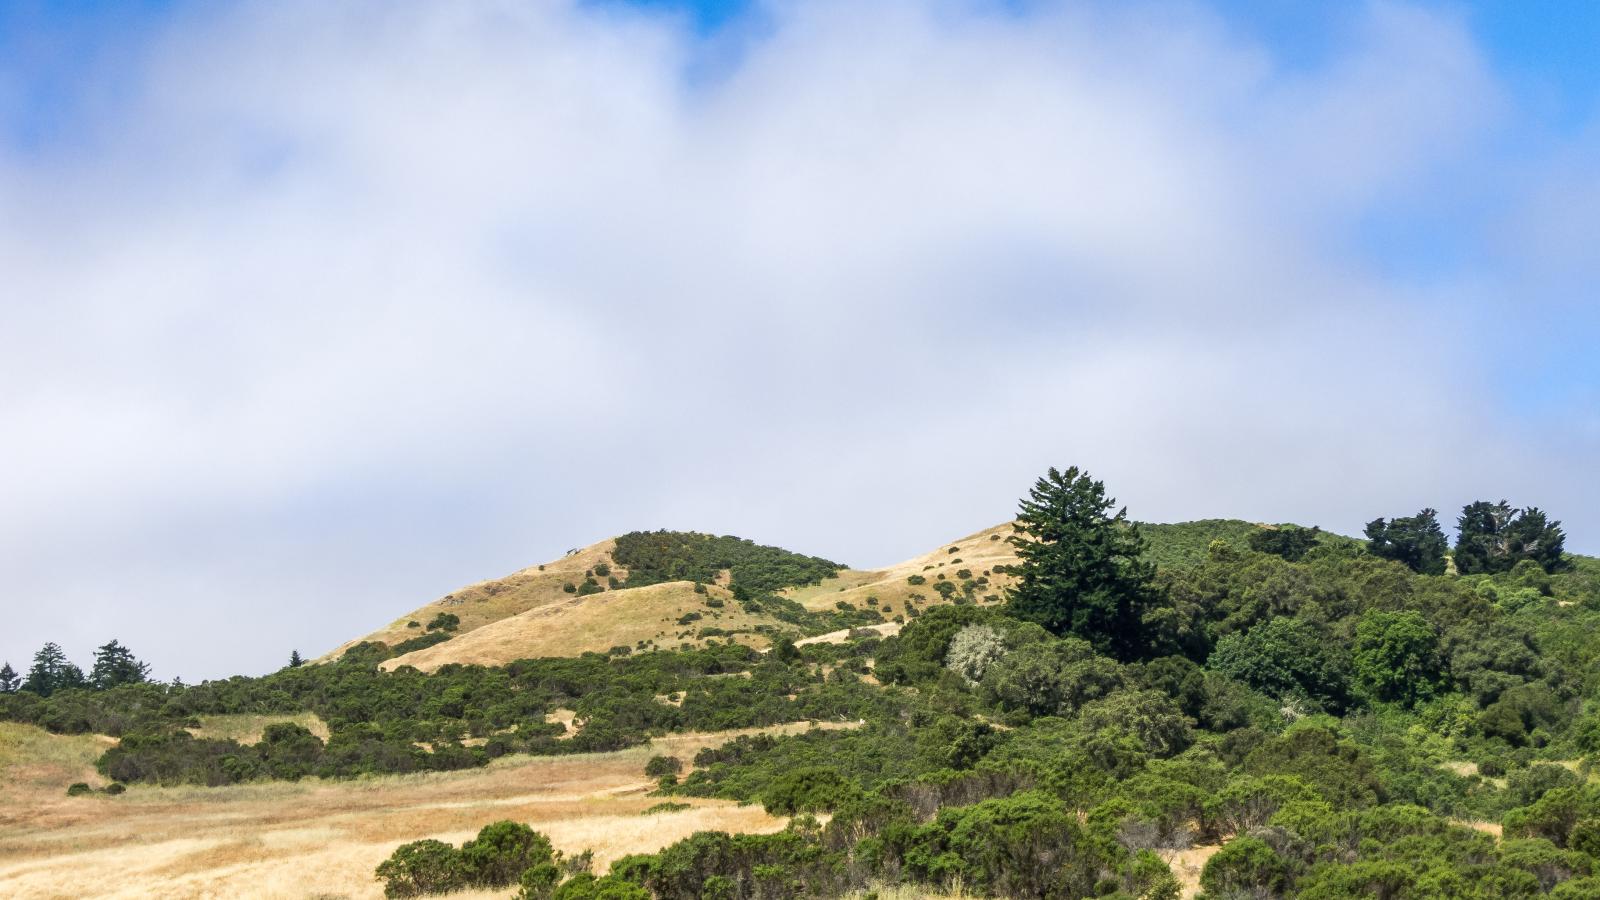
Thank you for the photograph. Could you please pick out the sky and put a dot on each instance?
(311, 313)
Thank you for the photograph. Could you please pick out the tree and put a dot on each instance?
(1288, 541)
(1417, 541)
(114, 664)
(51, 672)
(1533, 536)
(1396, 656)
(1081, 571)
(1479, 544)
(1286, 657)
(8, 679)
(294, 659)
(1494, 538)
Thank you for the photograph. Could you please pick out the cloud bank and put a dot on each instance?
(329, 308)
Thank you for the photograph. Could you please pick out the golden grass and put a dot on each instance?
(528, 614)
(490, 601)
(979, 552)
(296, 840)
(247, 729)
(1187, 865)
(598, 622)
(32, 759)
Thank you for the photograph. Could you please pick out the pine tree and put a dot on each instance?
(8, 679)
(1417, 541)
(51, 672)
(115, 664)
(1082, 571)
(294, 659)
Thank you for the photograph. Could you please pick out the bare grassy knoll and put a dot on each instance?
(479, 604)
(574, 625)
(315, 838)
(917, 578)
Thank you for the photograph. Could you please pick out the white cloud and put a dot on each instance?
(346, 305)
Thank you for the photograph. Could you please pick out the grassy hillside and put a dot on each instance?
(1275, 727)
(666, 590)
(656, 616)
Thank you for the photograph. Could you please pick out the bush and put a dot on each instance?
(587, 887)
(1245, 866)
(972, 650)
(538, 882)
(916, 580)
(444, 622)
(502, 851)
(810, 789)
(78, 789)
(663, 765)
(422, 867)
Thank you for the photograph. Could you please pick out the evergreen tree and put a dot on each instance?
(8, 679)
(1494, 538)
(1533, 536)
(1480, 543)
(294, 659)
(115, 664)
(51, 672)
(1081, 570)
(1416, 541)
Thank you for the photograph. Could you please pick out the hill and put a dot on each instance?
(673, 590)
(1315, 722)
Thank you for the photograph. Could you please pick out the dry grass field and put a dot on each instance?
(314, 838)
(976, 553)
(598, 622)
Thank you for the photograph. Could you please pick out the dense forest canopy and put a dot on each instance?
(1326, 717)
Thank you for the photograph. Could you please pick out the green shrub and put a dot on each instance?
(502, 851)
(444, 622)
(587, 887)
(421, 641)
(663, 765)
(809, 789)
(1246, 866)
(667, 806)
(78, 789)
(422, 867)
(916, 580)
(538, 882)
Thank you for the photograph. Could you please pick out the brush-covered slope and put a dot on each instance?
(642, 590)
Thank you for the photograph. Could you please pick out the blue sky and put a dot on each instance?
(315, 311)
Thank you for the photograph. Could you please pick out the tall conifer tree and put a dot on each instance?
(1082, 569)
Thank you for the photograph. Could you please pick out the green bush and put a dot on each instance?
(502, 851)
(444, 622)
(422, 867)
(810, 789)
(663, 765)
